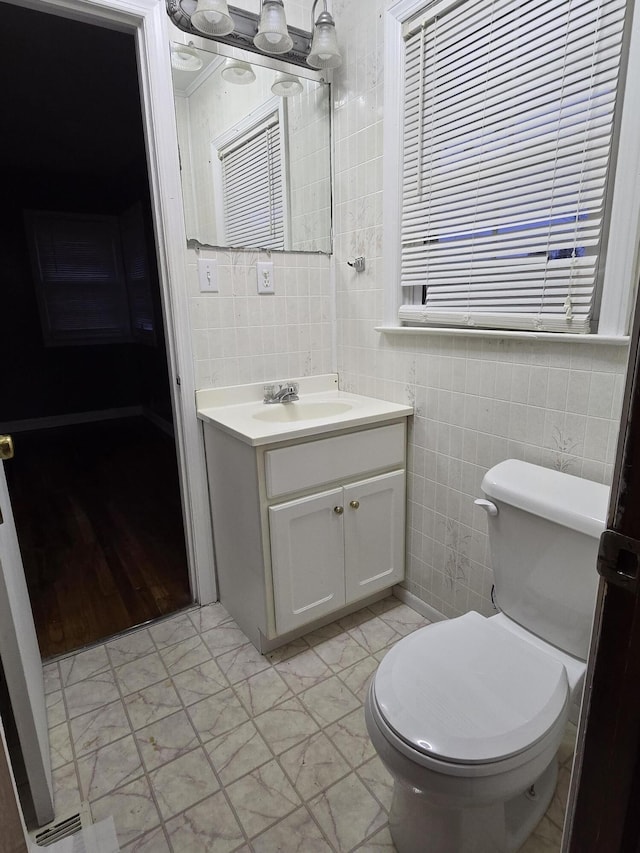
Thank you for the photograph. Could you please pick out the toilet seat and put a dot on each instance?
(468, 692)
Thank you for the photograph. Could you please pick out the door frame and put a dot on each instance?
(147, 21)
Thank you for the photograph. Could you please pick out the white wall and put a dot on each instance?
(478, 401)
(239, 336)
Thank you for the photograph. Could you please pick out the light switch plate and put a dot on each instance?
(266, 284)
(208, 275)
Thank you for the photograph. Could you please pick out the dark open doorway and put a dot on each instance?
(86, 396)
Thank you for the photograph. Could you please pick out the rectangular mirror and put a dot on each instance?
(255, 151)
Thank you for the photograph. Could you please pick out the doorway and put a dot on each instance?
(95, 482)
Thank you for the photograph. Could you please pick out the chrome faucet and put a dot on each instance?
(286, 392)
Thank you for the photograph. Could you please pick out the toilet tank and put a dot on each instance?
(544, 545)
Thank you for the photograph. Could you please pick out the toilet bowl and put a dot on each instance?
(468, 714)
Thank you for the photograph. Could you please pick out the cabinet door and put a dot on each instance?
(374, 513)
(307, 558)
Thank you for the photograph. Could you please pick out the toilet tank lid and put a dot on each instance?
(567, 500)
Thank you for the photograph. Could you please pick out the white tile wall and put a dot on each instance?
(478, 401)
(240, 336)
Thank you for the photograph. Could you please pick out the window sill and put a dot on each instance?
(555, 337)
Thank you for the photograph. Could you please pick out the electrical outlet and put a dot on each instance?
(266, 283)
(208, 275)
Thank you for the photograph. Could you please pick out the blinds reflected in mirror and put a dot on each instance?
(253, 190)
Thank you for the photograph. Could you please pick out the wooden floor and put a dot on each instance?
(97, 508)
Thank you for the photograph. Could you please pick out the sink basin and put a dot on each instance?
(300, 411)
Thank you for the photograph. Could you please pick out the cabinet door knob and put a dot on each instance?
(354, 504)
(338, 510)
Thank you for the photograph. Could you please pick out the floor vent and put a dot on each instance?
(61, 829)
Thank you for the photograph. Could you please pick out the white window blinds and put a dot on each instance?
(509, 111)
(253, 189)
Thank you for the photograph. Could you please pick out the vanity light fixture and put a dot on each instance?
(185, 57)
(212, 18)
(324, 51)
(238, 72)
(286, 85)
(263, 32)
(273, 35)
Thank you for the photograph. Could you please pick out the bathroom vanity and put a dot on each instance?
(308, 503)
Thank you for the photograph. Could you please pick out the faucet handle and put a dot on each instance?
(292, 387)
(269, 392)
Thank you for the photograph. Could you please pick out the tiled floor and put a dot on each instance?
(194, 742)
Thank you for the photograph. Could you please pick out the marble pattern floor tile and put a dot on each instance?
(194, 742)
(340, 652)
(151, 704)
(170, 631)
(52, 678)
(66, 789)
(378, 780)
(99, 727)
(348, 813)
(185, 655)
(154, 841)
(225, 638)
(262, 798)
(329, 701)
(286, 725)
(208, 617)
(83, 665)
(56, 712)
(209, 827)
(60, 745)
(138, 674)
(132, 808)
(218, 714)
(91, 693)
(108, 768)
(313, 765)
(357, 677)
(132, 646)
(198, 683)
(183, 783)
(297, 833)
(166, 740)
(350, 736)
(374, 634)
(263, 691)
(303, 670)
(238, 752)
(241, 663)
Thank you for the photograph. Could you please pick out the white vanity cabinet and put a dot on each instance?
(305, 528)
(332, 549)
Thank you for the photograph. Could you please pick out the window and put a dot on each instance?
(508, 121)
(79, 278)
(253, 186)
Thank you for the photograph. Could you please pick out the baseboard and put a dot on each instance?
(418, 604)
(163, 424)
(52, 421)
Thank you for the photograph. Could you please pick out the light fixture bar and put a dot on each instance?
(245, 28)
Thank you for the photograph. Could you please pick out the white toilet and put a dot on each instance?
(468, 714)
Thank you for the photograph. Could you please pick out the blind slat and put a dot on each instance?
(507, 139)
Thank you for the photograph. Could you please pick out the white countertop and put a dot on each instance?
(240, 411)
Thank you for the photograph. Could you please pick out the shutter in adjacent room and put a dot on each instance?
(253, 189)
(509, 112)
(78, 277)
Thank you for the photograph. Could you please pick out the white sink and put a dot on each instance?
(239, 410)
(300, 411)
